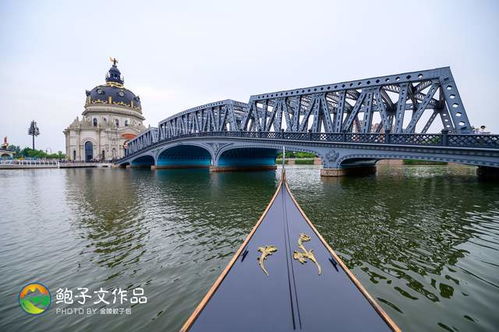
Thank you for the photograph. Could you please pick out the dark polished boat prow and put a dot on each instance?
(285, 277)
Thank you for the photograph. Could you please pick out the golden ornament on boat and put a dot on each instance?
(266, 251)
(305, 254)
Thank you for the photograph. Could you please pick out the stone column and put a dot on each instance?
(78, 145)
(99, 147)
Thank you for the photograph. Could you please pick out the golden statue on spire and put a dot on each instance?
(113, 60)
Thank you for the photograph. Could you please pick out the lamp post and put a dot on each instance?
(33, 131)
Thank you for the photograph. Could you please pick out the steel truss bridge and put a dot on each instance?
(417, 115)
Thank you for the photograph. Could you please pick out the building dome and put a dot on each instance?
(112, 116)
(113, 92)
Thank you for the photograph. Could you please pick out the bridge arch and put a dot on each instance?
(370, 159)
(241, 157)
(236, 156)
(277, 147)
(184, 155)
(146, 160)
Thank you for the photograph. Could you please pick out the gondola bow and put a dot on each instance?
(299, 284)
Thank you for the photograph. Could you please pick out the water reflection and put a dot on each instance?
(423, 240)
(408, 231)
(109, 214)
(207, 209)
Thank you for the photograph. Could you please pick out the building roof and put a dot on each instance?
(114, 92)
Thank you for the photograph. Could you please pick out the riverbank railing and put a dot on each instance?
(30, 162)
(47, 163)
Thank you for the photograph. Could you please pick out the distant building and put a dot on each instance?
(4, 151)
(112, 116)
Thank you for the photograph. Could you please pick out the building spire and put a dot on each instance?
(114, 77)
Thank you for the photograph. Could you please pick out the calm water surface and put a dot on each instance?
(424, 240)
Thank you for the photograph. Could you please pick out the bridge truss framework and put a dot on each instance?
(392, 110)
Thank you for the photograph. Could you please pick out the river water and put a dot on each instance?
(423, 240)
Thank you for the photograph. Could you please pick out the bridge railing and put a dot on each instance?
(477, 141)
(444, 139)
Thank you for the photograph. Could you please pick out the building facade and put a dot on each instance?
(4, 150)
(112, 116)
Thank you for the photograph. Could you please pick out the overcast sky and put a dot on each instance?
(180, 54)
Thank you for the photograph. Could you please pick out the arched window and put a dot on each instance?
(74, 154)
(95, 122)
(126, 123)
(117, 122)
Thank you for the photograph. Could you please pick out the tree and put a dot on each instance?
(33, 131)
(39, 154)
(14, 148)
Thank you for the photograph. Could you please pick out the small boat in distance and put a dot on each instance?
(285, 277)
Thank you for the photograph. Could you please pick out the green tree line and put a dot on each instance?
(292, 154)
(30, 153)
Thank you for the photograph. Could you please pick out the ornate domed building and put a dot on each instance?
(112, 116)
